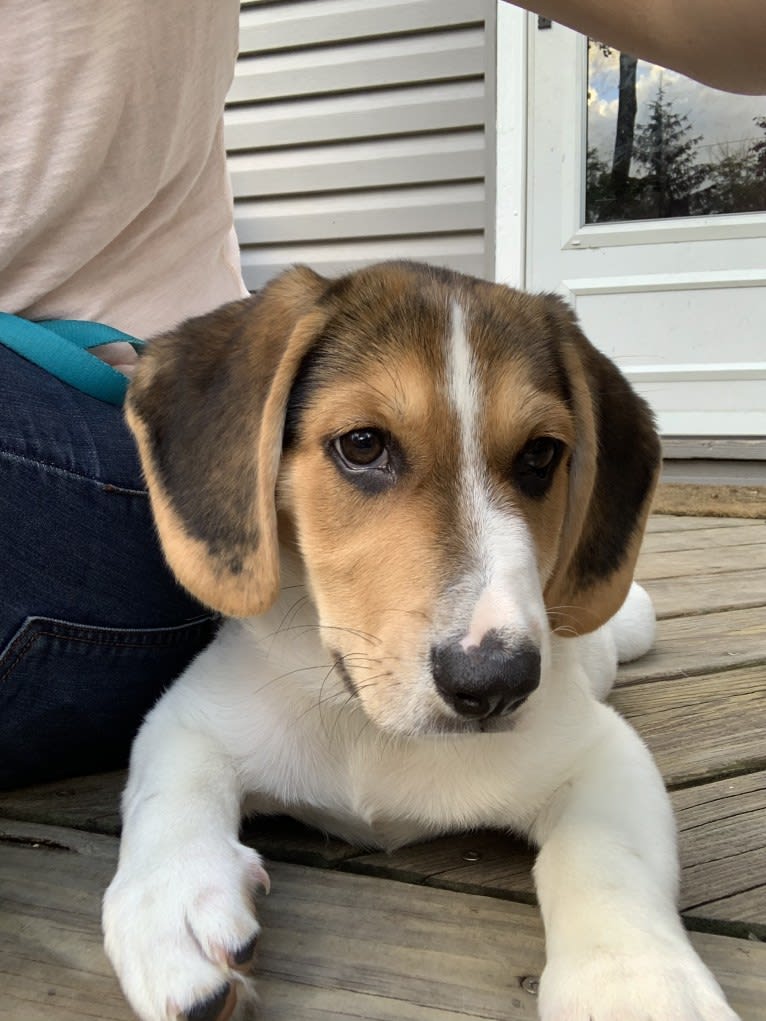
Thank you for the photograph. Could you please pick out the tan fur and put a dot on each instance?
(575, 609)
(377, 564)
(284, 326)
(516, 411)
(374, 573)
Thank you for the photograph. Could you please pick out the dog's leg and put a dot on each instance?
(178, 917)
(607, 878)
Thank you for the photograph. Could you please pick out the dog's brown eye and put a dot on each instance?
(362, 448)
(534, 466)
(538, 454)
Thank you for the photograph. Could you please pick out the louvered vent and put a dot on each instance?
(361, 130)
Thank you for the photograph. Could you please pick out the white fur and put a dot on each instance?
(262, 721)
(503, 591)
(250, 721)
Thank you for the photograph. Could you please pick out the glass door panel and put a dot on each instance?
(660, 145)
(647, 211)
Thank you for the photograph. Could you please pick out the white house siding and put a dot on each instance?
(361, 130)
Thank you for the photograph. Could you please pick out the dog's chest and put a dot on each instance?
(381, 832)
(383, 794)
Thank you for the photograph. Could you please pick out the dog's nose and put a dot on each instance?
(487, 680)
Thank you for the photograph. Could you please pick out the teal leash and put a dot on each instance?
(60, 346)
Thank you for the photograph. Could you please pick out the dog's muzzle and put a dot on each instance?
(486, 680)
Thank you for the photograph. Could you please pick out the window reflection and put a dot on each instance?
(661, 145)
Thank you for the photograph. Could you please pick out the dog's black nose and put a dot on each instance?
(487, 680)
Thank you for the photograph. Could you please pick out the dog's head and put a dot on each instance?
(461, 470)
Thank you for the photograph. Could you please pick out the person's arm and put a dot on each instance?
(719, 42)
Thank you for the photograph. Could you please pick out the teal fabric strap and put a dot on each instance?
(61, 347)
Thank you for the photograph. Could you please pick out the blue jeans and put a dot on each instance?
(93, 626)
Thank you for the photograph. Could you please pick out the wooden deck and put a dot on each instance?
(448, 930)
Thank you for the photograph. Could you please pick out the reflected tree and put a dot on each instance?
(674, 179)
(627, 108)
(657, 169)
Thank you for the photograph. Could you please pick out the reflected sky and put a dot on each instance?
(725, 121)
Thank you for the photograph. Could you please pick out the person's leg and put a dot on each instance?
(92, 624)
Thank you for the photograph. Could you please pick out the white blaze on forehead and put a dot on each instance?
(505, 583)
(465, 398)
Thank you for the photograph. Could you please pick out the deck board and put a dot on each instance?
(699, 701)
(703, 539)
(680, 523)
(700, 594)
(701, 644)
(471, 951)
(702, 727)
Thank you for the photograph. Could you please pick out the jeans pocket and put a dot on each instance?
(73, 695)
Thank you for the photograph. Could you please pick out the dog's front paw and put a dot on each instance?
(643, 987)
(181, 932)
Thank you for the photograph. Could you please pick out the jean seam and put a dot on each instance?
(183, 631)
(67, 473)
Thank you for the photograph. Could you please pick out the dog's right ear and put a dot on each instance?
(207, 408)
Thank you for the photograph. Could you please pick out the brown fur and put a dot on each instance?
(208, 409)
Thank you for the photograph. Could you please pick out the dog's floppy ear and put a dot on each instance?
(613, 471)
(207, 408)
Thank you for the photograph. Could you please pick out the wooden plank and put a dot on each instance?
(677, 563)
(705, 593)
(722, 832)
(701, 727)
(742, 534)
(684, 523)
(350, 946)
(694, 645)
(296, 25)
(81, 803)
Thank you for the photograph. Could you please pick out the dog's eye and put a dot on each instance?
(362, 449)
(534, 465)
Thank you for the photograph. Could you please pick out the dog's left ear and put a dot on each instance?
(612, 474)
(207, 407)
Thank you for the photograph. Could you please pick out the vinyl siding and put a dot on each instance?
(361, 130)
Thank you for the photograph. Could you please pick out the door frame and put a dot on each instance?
(514, 210)
(511, 113)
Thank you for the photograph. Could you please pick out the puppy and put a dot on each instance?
(418, 498)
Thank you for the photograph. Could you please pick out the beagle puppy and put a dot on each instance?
(418, 499)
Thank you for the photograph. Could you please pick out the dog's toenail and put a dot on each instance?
(212, 1008)
(244, 954)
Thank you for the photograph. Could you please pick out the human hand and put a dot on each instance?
(119, 354)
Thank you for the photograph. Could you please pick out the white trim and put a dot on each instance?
(714, 279)
(574, 143)
(511, 146)
(693, 373)
(710, 423)
(726, 227)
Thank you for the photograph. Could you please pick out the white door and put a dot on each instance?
(671, 288)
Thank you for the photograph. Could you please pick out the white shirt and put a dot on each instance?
(115, 203)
